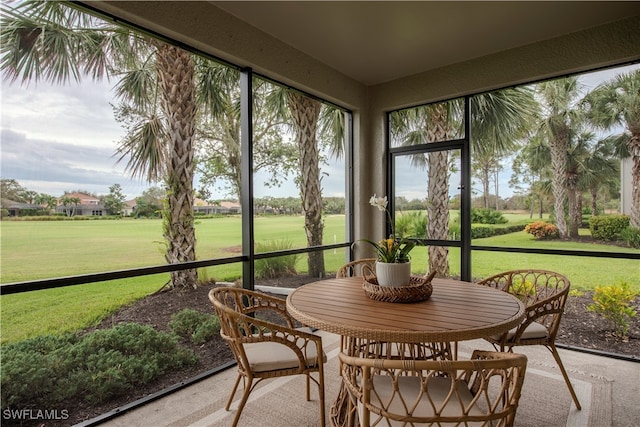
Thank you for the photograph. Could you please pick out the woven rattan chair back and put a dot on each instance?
(484, 391)
(355, 268)
(266, 348)
(544, 294)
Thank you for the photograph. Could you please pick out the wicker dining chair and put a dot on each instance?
(483, 391)
(264, 349)
(355, 268)
(544, 294)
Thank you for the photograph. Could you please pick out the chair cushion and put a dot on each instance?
(272, 356)
(409, 386)
(535, 330)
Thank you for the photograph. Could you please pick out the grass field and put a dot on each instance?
(37, 250)
(41, 249)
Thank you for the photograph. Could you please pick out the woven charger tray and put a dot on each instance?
(418, 289)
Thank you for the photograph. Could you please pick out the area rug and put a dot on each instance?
(545, 399)
(281, 402)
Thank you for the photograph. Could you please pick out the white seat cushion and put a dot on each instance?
(409, 386)
(534, 331)
(272, 356)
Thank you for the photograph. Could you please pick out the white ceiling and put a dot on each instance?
(378, 41)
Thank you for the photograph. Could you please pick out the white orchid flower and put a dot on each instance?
(379, 202)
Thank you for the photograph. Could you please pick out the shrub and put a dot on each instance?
(195, 325)
(523, 290)
(270, 268)
(608, 227)
(576, 293)
(481, 232)
(631, 237)
(411, 224)
(487, 216)
(614, 303)
(454, 231)
(542, 230)
(47, 370)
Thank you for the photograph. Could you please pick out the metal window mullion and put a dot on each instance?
(246, 161)
(465, 199)
(391, 179)
(349, 184)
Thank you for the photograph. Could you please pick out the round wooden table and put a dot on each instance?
(456, 311)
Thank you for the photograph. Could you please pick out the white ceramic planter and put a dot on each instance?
(393, 274)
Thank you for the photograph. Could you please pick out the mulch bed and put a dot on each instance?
(579, 328)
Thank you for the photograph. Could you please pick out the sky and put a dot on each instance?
(62, 138)
(57, 138)
(413, 188)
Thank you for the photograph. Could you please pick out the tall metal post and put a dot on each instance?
(246, 147)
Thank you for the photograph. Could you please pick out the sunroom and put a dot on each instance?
(380, 67)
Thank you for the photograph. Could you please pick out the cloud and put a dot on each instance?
(78, 113)
(62, 138)
(53, 167)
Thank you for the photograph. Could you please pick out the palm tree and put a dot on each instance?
(70, 204)
(167, 98)
(51, 41)
(46, 200)
(615, 103)
(601, 170)
(559, 98)
(577, 155)
(497, 119)
(430, 124)
(531, 166)
(315, 126)
(305, 113)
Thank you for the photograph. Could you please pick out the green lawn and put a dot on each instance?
(42, 249)
(36, 250)
(584, 273)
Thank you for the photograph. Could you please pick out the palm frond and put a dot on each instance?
(145, 147)
(139, 85)
(332, 130)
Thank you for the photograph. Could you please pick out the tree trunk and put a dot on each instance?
(438, 191)
(541, 206)
(559, 148)
(575, 217)
(496, 184)
(438, 211)
(305, 113)
(594, 201)
(176, 80)
(485, 185)
(579, 202)
(634, 151)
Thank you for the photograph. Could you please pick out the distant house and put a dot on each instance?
(14, 208)
(129, 207)
(223, 208)
(88, 206)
